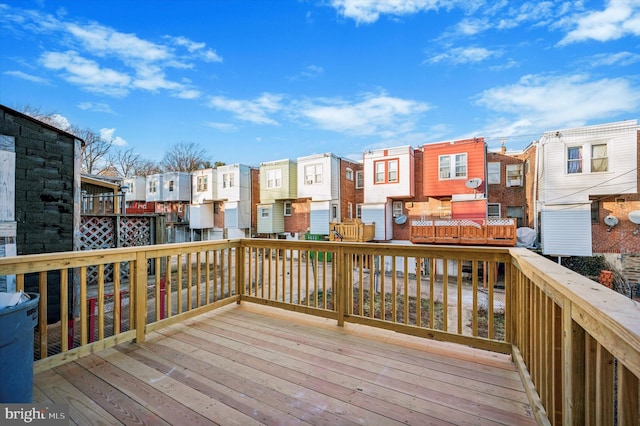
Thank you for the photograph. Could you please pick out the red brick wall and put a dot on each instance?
(514, 196)
(529, 155)
(299, 221)
(620, 239)
(218, 218)
(348, 191)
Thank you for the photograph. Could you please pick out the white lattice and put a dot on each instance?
(497, 222)
(97, 233)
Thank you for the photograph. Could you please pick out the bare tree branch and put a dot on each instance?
(184, 157)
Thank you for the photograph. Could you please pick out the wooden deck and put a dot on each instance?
(251, 364)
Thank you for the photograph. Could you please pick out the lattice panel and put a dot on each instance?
(135, 231)
(97, 233)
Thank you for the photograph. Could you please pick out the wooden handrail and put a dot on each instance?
(576, 343)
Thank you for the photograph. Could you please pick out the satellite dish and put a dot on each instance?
(401, 219)
(611, 220)
(634, 217)
(473, 183)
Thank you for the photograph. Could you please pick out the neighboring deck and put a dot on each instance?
(251, 364)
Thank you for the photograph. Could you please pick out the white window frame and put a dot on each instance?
(171, 185)
(334, 212)
(348, 174)
(153, 186)
(359, 211)
(359, 179)
(313, 174)
(350, 210)
(499, 207)
(287, 208)
(593, 158)
(449, 171)
(228, 180)
(514, 175)
(202, 183)
(265, 212)
(493, 176)
(384, 172)
(274, 178)
(396, 208)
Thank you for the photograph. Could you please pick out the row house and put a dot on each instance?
(587, 196)
(221, 205)
(389, 180)
(171, 194)
(506, 190)
(279, 199)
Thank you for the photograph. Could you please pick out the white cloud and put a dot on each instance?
(539, 102)
(464, 55)
(209, 55)
(107, 135)
(613, 59)
(102, 40)
(95, 107)
(373, 114)
(620, 18)
(256, 110)
(60, 121)
(87, 73)
(28, 77)
(369, 11)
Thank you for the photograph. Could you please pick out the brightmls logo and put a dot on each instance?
(37, 414)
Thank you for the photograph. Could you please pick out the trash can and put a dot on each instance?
(16, 351)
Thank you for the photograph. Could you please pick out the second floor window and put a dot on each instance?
(227, 180)
(514, 174)
(313, 174)
(452, 166)
(349, 174)
(386, 171)
(153, 186)
(574, 159)
(493, 173)
(202, 183)
(359, 179)
(274, 178)
(170, 185)
(599, 159)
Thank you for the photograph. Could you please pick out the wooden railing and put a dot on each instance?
(575, 343)
(500, 232)
(352, 231)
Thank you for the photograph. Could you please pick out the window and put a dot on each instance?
(287, 208)
(348, 174)
(153, 186)
(493, 210)
(359, 179)
(334, 212)
(493, 173)
(274, 178)
(396, 208)
(574, 159)
(313, 174)
(170, 186)
(514, 175)
(599, 160)
(227, 180)
(527, 166)
(595, 211)
(516, 213)
(452, 166)
(216, 208)
(264, 212)
(350, 211)
(386, 171)
(358, 211)
(202, 183)
(180, 207)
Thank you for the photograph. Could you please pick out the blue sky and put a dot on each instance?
(262, 80)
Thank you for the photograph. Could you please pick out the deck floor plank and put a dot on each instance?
(252, 364)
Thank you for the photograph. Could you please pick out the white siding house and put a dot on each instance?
(176, 186)
(234, 188)
(319, 180)
(154, 190)
(573, 165)
(204, 186)
(278, 183)
(388, 175)
(136, 188)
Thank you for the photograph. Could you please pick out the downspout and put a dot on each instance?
(539, 146)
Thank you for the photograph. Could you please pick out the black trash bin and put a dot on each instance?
(16, 351)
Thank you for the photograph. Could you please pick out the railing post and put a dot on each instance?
(341, 288)
(240, 260)
(140, 299)
(573, 347)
